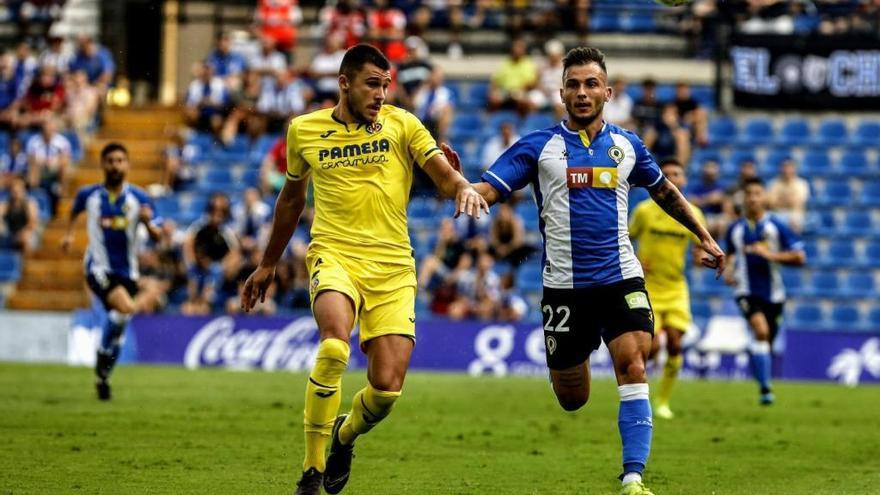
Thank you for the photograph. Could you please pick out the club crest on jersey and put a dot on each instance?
(591, 177)
(373, 127)
(616, 153)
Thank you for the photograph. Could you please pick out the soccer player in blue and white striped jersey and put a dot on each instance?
(581, 171)
(756, 245)
(114, 210)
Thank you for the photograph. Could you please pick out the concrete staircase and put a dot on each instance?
(52, 280)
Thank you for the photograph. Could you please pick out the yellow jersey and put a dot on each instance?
(663, 244)
(362, 174)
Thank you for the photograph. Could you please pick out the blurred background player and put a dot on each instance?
(361, 268)
(114, 210)
(593, 283)
(662, 250)
(756, 245)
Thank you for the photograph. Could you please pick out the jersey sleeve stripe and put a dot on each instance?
(659, 178)
(499, 179)
(428, 153)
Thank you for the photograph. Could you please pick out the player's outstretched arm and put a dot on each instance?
(447, 177)
(288, 208)
(668, 197)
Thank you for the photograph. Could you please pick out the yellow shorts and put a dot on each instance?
(671, 311)
(384, 294)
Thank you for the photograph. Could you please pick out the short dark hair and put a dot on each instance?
(752, 181)
(111, 147)
(583, 55)
(359, 55)
(671, 160)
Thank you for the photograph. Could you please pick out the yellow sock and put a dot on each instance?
(323, 392)
(368, 408)
(670, 375)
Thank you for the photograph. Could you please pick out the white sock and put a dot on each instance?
(631, 477)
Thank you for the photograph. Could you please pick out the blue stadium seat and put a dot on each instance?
(76, 148)
(251, 177)
(870, 195)
(421, 212)
(638, 23)
(832, 132)
(874, 319)
(529, 277)
(854, 163)
(704, 94)
(835, 193)
(466, 125)
(603, 22)
(478, 96)
(220, 175)
(773, 162)
(866, 133)
(824, 284)
(722, 131)
(871, 255)
(845, 316)
(811, 249)
(860, 285)
(807, 315)
(857, 223)
(529, 214)
(841, 253)
(498, 118)
(167, 206)
(706, 284)
(793, 280)
(756, 132)
(794, 132)
(816, 163)
(805, 24)
(10, 266)
(43, 203)
(701, 308)
(537, 121)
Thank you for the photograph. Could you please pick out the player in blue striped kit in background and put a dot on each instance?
(114, 210)
(581, 171)
(756, 245)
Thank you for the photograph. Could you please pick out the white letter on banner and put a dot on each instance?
(493, 345)
(815, 73)
(869, 73)
(751, 71)
(535, 347)
(202, 339)
(843, 73)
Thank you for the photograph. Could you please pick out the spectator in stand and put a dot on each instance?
(274, 168)
(735, 197)
(498, 143)
(49, 162)
(387, 26)
(512, 306)
(13, 163)
(10, 95)
(56, 55)
(443, 258)
(545, 95)
(647, 111)
(344, 21)
(19, 219)
(693, 116)
(324, 70)
(619, 110)
(708, 196)
(433, 105)
(413, 72)
(83, 101)
(178, 155)
(162, 272)
(267, 62)
(289, 96)
(510, 85)
(43, 100)
(249, 107)
(206, 100)
(225, 63)
(788, 195)
(203, 278)
(660, 125)
(96, 61)
(507, 237)
(478, 291)
(212, 252)
(250, 219)
(25, 66)
(277, 20)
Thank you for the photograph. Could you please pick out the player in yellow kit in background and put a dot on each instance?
(360, 156)
(662, 248)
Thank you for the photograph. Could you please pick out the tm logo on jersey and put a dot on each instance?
(591, 177)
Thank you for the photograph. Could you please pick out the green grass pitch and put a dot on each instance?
(173, 431)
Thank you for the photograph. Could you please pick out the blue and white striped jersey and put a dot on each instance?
(112, 225)
(755, 276)
(581, 189)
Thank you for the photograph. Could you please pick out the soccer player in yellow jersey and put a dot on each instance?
(360, 156)
(663, 244)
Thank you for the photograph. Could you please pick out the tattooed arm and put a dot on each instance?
(668, 197)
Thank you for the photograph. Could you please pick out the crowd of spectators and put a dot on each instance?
(51, 92)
